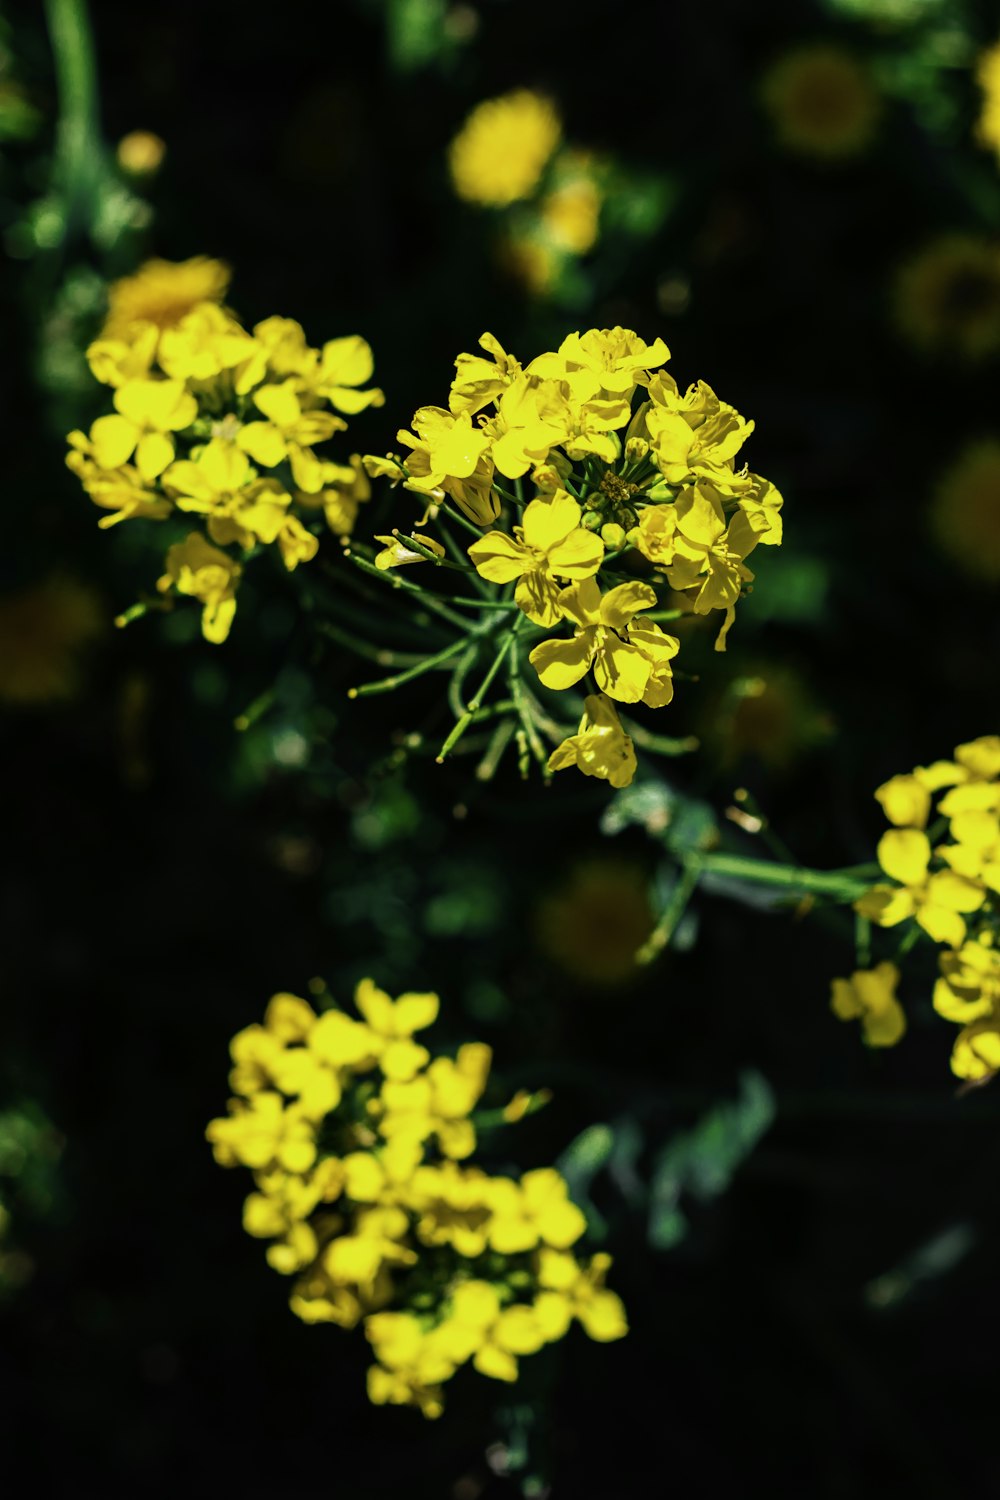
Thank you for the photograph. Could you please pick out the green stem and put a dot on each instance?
(665, 928)
(389, 684)
(474, 704)
(394, 581)
(842, 885)
(79, 152)
(381, 655)
(502, 736)
(254, 711)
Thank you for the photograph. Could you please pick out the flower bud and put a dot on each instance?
(613, 535)
(636, 448)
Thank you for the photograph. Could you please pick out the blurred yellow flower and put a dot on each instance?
(947, 297)
(570, 214)
(140, 153)
(988, 78)
(44, 630)
(870, 996)
(600, 746)
(965, 510)
(501, 151)
(596, 921)
(196, 568)
(822, 102)
(162, 291)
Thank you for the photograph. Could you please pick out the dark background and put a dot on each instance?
(161, 876)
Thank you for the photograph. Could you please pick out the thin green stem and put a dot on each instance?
(665, 928)
(79, 152)
(842, 885)
(381, 655)
(502, 736)
(474, 703)
(389, 684)
(394, 581)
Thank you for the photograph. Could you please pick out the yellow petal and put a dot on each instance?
(904, 854)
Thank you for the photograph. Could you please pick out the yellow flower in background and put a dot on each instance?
(162, 291)
(965, 511)
(196, 568)
(495, 1335)
(595, 921)
(976, 1054)
(822, 102)
(503, 147)
(549, 544)
(140, 153)
(969, 986)
(45, 630)
(947, 297)
(570, 213)
(600, 747)
(988, 78)
(870, 996)
(438, 1103)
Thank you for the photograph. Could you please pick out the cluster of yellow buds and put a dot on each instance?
(942, 860)
(220, 423)
(359, 1141)
(634, 490)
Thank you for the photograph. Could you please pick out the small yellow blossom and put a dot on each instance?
(549, 544)
(969, 986)
(196, 568)
(939, 901)
(140, 153)
(630, 659)
(870, 996)
(502, 149)
(571, 1290)
(148, 412)
(905, 800)
(600, 747)
(396, 553)
(535, 1211)
(392, 1023)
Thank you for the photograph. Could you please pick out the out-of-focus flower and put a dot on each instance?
(162, 292)
(870, 996)
(947, 297)
(597, 920)
(965, 510)
(140, 153)
(502, 149)
(45, 630)
(988, 78)
(822, 102)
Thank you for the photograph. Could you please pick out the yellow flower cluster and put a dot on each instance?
(214, 421)
(946, 878)
(628, 474)
(359, 1141)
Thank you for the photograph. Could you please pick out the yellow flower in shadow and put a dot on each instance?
(821, 102)
(44, 631)
(162, 292)
(593, 925)
(947, 297)
(965, 511)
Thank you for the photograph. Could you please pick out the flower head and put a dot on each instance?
(822, 102)
(502, 149)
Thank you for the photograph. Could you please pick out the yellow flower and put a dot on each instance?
(550, 543)
(532, 417)
(870, 996)
(140, 153)
(412, 1364)
(988, 78)
(502, 149)
(596, 919)
(162, 291)
(969, 986)
(976, 1054)
(976, 850)
(600, 747)
(694, 436)
(479, 381)
(570, 1290)
(630, 660)
(571, 213)
(120, 491)
(196, 568)
(202, 345)
(290, 431)
(452, 1206)
(905, 800)
(450, 454)
(492, 1334)
(616, 359)
(535, 1211)
(935, 900)
(264, 1132)
(822, 102)
(44, 631)
(439, 1101)
(346, 487)
(392, 1024)
(947, 297)
(965, 511)
(397, 554)
(147, 411)
(708, 555)
(344, 364)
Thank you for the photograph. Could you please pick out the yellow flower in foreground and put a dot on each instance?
(630, 659)
(969, 986)
(976, 1054)
(496, 1334)
(600, 747)
(822, 102)
(501, 151)
(550, 543)
(162, 291)
(870, 996)
(44, 629)
(935, 900)
(439, 1101)
(905, 800)
(947, 297)
(965, 511)
(197, 568)
(392, 1023)
(988, 78)
(147, 413)
(535, 1211)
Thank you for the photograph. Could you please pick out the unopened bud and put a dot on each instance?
(636, 448)
(613, 535)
